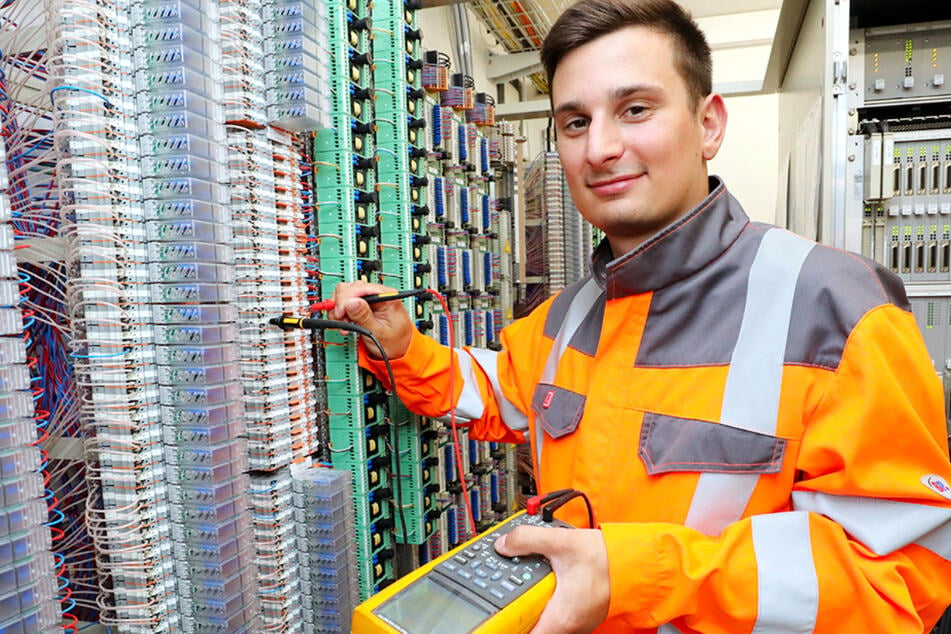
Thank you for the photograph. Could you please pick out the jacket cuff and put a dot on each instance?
(419, 356)
(633, 570)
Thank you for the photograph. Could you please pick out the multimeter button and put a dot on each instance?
(495, 592)
(508, 586)
(465, 574)
(481, 573)
(477, 547)
(491, 565)
(515, 560)
(495, 576)
(515, 580)
(451, 567)
(476, 563)
(462, 561)
(526, 576)
(482, 584)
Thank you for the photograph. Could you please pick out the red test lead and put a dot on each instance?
(329, 304)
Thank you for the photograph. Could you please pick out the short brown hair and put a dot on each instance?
(588, 20)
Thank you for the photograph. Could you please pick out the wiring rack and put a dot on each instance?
(28, 601)
(181, 171)
(558, 240)
(468, 252)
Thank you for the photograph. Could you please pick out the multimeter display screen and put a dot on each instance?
(427, 606)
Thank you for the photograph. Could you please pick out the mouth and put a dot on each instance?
(613, 186)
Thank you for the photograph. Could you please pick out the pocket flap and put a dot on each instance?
(557, 409)
(669, 443)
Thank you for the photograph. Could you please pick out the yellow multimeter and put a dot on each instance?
(469, 589)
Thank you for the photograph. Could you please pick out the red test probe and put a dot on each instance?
(329, 304)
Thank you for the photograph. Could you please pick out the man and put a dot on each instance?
(754, 417)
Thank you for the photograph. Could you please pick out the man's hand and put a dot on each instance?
(388, 321)
(580, 561)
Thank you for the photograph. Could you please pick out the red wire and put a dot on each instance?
(457, 450)
(57, 534)
(70, 627)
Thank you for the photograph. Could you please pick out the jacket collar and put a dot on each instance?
(676, 252)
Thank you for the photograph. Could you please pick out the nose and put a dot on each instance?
(604, 141)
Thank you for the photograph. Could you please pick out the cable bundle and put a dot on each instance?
(242, 62)
(30, 520)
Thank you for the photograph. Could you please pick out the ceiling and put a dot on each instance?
(708, 8)
(519, 26)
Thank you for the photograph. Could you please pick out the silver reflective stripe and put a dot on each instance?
(574, 316)
(938, 541)
(513, 417)
(469, 407)
(751, 395)
(667, 628)
(786, 577)
(884, 526)
(580, 305)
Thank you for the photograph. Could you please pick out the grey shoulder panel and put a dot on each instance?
(835, 290)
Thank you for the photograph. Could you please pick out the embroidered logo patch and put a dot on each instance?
(937, 484)
(548, 397)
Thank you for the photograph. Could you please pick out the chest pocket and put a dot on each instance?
(557, 410)
(669, 444)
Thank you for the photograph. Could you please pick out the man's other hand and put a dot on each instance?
(579, 559)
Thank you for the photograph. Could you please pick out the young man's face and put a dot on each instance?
(633, 150)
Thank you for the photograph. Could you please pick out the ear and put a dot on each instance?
(711, 114)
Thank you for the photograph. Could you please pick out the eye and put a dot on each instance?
(575, 124)
(636, 110)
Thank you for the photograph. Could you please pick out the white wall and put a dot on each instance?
(748, 160)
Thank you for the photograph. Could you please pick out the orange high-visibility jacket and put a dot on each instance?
(754, 417)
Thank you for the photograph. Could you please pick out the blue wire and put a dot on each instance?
(258, 516)
(267, 490)
(45, 139)
(80, 89)
(59, 520)
(76, 355)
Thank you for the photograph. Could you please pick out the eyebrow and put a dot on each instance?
(617, 94)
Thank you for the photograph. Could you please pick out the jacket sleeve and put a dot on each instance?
(865, 543)
(483, 385)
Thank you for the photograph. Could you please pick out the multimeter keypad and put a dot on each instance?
(497, 579)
